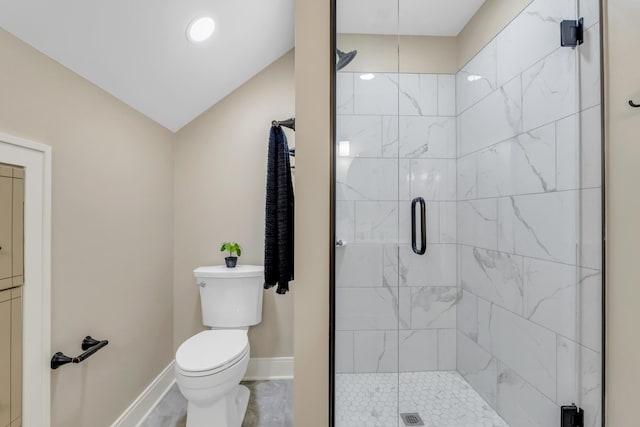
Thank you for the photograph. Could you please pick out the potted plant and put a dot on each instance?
(231, 247)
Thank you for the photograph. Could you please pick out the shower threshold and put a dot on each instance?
(441, 398)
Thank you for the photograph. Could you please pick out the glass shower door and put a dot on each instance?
(370, 213)
(499, 321)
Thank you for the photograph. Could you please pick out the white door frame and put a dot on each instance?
(36, 370)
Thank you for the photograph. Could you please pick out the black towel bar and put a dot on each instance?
(633, 104)
(90, 346)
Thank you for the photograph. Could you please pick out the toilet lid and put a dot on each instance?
(211, 349)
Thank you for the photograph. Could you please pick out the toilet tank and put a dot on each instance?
(230, 297)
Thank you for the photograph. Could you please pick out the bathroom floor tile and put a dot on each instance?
(443, 399)
(270, 405)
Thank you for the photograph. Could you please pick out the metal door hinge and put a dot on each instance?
(572, 416)
(572, 33)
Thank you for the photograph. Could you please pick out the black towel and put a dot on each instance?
(278, 233)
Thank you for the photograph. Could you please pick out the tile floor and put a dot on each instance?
(443, 399)
(270, 405)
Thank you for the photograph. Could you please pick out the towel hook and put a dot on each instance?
(633, 104)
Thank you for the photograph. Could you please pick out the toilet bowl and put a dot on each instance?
(211, 364)
(209, 367)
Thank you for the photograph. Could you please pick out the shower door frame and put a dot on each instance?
(332, 206)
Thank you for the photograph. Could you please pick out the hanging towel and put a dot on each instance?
(278, 233)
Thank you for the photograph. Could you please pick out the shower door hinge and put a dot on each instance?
(572, 33)
(572, 416)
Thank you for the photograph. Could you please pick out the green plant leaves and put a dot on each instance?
(231, 247)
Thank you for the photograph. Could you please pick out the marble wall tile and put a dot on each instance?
(344, 351)
(404, 179)
(532, 35)
(580, 379)
(549, 89)
(494, 276)
(376, 222)
(437, 267)
(541, 225)
(448, 222)
(447, 349)
(359, 265)
(520, 404)
(467, 315)
(390, 136)
(506, 225)
(428, 137)
(432, 211)
(478, 367)
(551, 295)
(364, 134)
(579, 140)
(345, 220)
(404, 232)
(589, 51)
(344, 93)
(419, 350)
(390, 263)
(467, 168)
(484, 324)
(478, 225)
(433, 307)
(418, 94)
(433, 179)
(526, 347)
(446, 95)
(375, 351)
(366, 179)
(372, 308)
(495, 118)
(590, 235)
(522, 165)
(590, 309)
(376, 96)
(478, 78)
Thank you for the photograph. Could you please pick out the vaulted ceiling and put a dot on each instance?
(138, 51)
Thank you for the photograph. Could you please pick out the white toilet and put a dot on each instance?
(211, 364)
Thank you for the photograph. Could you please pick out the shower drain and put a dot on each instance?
(411, 419)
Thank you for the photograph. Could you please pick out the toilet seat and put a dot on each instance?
(210, 352)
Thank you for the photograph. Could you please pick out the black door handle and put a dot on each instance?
(423, 226)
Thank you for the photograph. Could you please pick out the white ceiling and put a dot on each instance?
(137, 49)
(405, 17)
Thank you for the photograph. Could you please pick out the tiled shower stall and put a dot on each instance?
(506, 301)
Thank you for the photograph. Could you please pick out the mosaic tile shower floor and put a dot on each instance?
(443, 399)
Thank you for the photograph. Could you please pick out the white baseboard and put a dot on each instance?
(148, 399)
(269, 368)
(260, 368)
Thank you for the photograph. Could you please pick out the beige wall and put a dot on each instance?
(313, 180)
(219, 185)
(623, 212)
(417, 54)
(112, 231)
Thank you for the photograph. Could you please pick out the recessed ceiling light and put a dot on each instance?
(200, 29)
(368, 76)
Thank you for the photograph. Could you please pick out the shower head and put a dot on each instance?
(344, 58)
